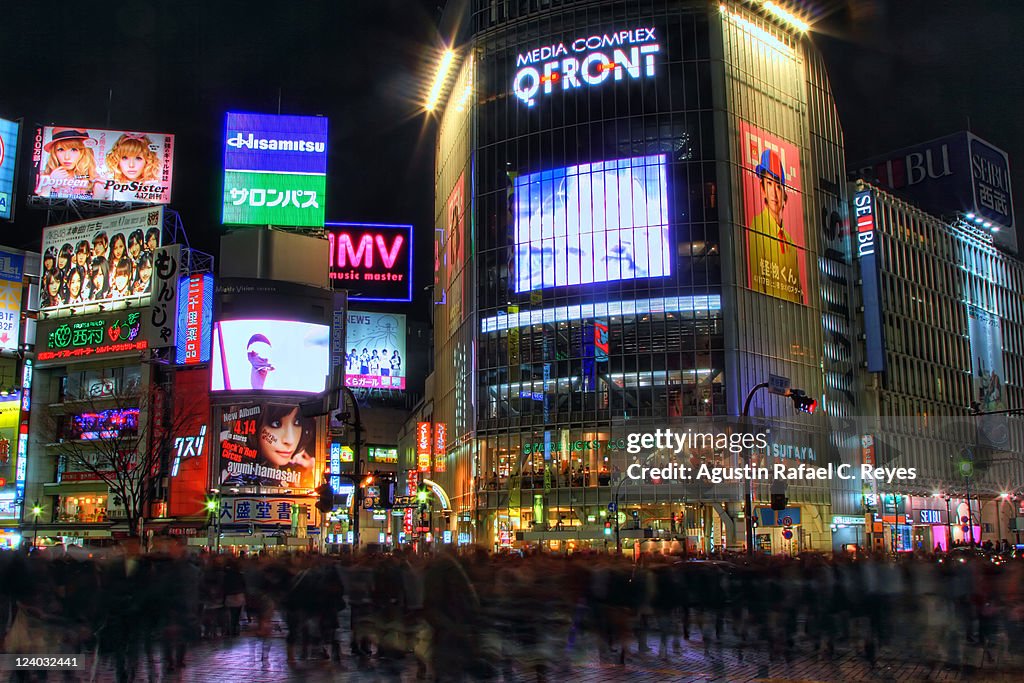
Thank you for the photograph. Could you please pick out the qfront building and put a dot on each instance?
(640, 218)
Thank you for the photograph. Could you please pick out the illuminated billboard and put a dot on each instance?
(83, 339)
(195, 319)
(597, 222)
(866, 240)
(10, 414)
(270, 355)
(267, 444)
(376, 357)
(956, 173)
(372, 261)
(988, 375)
(108, 165)
(113, 423)
(9, 131)
(773, 215)
(11, 290)
(101, 259)
(275, 170)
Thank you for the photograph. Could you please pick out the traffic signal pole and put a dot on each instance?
(748, 489)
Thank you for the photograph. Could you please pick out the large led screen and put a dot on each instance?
(267, 444)
(275, 170)
(597, 222)
(100, 259)
(773, 215)
(111, 165)
(270, 355)
(376, 356)
(8, 160)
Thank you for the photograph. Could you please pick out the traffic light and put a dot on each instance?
(607, 528)
(779, 501)
(803, 402)
(325, 498)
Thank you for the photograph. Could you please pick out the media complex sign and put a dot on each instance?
(584, 62)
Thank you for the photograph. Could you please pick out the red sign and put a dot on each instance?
(440, 446)
(373, 261)
(423, 446)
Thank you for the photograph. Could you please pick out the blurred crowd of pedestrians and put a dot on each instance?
(478, 616)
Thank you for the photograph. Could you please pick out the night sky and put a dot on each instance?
(902, 72)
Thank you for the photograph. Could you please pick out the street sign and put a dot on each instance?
(612, 507)
(777, 384)
(405, 501)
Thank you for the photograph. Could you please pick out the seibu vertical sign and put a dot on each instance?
(867, 242)
(372, 261)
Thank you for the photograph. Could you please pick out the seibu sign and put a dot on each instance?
(585, 61)
(373, 262)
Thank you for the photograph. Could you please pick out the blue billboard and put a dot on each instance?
(275, 170)
(596, 222)
(959, 173)
(9, 131)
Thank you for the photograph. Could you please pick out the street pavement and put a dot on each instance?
(242, 659)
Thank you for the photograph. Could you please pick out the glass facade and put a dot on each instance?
(623, 272)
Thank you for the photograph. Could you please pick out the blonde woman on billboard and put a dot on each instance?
(132, 159)
(71, 169)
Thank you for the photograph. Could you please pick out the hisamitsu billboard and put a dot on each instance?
(372, 261)
(275, 170)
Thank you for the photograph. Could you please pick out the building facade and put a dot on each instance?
(944, 340)
(640, 216)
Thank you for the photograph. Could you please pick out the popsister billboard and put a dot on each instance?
(275, 170)
(96, 164)
(9, 131)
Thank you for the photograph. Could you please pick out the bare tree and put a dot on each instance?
(123, 439)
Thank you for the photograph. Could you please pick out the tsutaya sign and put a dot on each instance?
(585, 61)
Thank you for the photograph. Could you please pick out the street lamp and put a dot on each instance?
(213, 507)
(804, 404)
(37, 510)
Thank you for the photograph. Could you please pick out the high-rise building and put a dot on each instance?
(640, 217)
(942, 320)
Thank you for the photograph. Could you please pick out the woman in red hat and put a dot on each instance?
(71, 170)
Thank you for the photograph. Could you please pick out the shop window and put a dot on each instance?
(84, 509)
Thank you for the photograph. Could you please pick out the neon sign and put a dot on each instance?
(423, 446)
(188, 447)
(440, 446)
(540, 70)
(84, 338)
(374, 262)
(195, 318)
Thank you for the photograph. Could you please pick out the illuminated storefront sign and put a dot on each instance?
(275, 170)
(335, 466)
(847, 520)
(11, 266)
(188, 447)
(867, 452)
(423, 446)
(373, 262)
(382, 454)
(584, 62)
(195, 319)
(9, 131)
(84, 338)
(866, 237)
(931, 516)
(440, 446)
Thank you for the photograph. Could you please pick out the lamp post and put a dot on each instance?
(618, 541)
(213, 507)
(780, 386)
(37, 510)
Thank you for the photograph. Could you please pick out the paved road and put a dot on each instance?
(240, 659)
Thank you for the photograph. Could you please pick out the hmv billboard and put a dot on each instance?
(372, 261)
(957, 173)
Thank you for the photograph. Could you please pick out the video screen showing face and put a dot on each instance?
(270, 355)
(597, 222)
